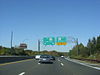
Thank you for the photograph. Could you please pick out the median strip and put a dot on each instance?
(15, 62)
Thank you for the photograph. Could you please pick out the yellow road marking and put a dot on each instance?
(15, 62)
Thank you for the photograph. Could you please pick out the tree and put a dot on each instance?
(19, 51)
(29, 52)
(98, 44)
(89, 46)
(0, 47)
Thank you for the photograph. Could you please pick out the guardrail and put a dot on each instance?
(5, 59)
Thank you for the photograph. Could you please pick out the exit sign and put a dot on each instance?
(61, 41)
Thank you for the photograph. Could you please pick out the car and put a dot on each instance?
(52, 57)
(33, 57)
(45, 59)
(37, 57)
(62, 56)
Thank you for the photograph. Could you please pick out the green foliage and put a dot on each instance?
(91, 51)
(4, 51)
(20, 52)
(11, 51)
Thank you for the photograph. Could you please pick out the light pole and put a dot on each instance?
(11, 39)
(39, 46)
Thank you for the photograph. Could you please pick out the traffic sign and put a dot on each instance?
(61, 41)
(54, 41)
(49, 41)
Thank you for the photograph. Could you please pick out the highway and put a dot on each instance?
(60, 67)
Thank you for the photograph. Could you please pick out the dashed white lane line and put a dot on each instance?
(22, 73)
(62, 64)
(58, 60)
(38, 63)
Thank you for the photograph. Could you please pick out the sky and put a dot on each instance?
(31, 20)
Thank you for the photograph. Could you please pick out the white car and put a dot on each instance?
(62, 56)
(37, 57)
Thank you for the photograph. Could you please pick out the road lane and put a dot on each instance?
(61, 67)
(17, 68)
(46, 69)
(78, 69)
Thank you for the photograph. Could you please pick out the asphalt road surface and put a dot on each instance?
(59, 67)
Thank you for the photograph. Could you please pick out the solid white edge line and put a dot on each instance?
(22, 73)
(83, 64)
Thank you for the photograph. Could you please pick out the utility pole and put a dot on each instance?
(11, 39)
(39, 46)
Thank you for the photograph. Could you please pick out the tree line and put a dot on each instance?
(91, 51)
(22, 52)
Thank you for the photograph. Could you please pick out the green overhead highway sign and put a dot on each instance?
(61, 41)
(49, 41)
(54, 41)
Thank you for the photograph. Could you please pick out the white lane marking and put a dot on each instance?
(97, 68)
(58, 60)
(22, 73)
(38, 63)
(62, 64)
(89, 66)
(83, 64)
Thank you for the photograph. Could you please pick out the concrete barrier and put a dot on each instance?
(5, 59)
